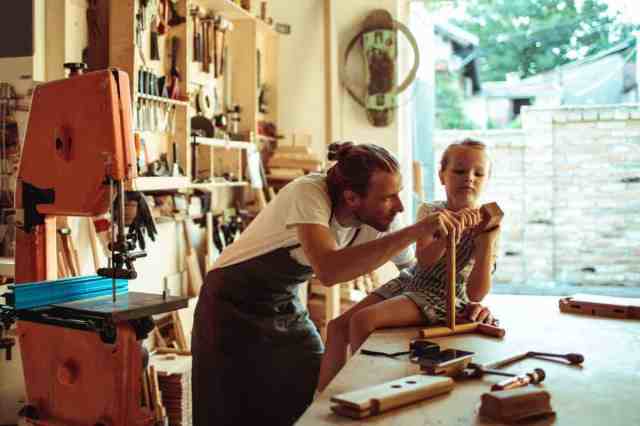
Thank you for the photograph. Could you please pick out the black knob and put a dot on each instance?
(75, 68)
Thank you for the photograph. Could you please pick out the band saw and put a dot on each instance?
(80, 338)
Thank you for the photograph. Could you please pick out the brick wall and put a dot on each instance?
(569, 183)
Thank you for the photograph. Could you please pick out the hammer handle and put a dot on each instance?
(511, 383)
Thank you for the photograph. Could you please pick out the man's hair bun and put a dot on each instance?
(338, 150)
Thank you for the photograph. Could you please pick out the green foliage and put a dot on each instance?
(532, 36)
(449, 111)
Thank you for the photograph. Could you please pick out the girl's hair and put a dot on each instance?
(354, 166)
(467, 143)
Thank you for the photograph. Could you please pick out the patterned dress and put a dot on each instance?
(427, 288)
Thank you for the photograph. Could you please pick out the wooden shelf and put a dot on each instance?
(162, 99)
(221, 143)
(213, 185)
(234, 12)
(159, 183)
(226, 8)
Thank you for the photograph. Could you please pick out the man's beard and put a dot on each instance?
(378, 226)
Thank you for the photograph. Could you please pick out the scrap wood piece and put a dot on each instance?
(193, 267)
(515, 405)
(604, 306)
(159, 338)
(179, 331)
(159, 410)
(68, 268)
(165, 350)
(174, 381)
(383, 397)
(169, 332)
(62, 267)
(64, 230)
(94, 241)
(146, 399)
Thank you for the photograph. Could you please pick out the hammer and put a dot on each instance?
(224, 25)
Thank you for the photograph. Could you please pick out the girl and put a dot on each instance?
(417, 295)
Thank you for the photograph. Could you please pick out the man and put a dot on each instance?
(256, 353)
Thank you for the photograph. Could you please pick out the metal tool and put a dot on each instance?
(474, 371)
(197, 39)
(572, 358)
(534, 377)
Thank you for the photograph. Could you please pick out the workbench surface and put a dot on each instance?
(604, 391)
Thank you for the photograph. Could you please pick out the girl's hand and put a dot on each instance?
(469, 217)
(479, 313)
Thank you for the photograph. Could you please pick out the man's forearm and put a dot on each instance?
(351, 262)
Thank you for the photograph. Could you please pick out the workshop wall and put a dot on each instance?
(302, 68)
(569, 183)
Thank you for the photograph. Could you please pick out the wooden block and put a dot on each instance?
(603, 306)
(145, 390)
(516, 404)
(380, 398)
(491, 216)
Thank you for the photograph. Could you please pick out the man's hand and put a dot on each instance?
(439, 224)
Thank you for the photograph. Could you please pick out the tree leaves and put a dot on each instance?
(533, 36)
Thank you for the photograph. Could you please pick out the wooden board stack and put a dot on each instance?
(174, 382)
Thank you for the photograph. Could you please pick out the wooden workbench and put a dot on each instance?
(605, 391)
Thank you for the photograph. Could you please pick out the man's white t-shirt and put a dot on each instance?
(304, 201)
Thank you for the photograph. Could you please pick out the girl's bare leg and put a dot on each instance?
(335, 354)
(395, 312)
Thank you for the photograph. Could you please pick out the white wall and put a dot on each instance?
(302, 71)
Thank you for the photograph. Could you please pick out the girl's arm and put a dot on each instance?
(479, 283)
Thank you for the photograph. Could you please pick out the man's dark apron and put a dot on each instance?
(256, 352)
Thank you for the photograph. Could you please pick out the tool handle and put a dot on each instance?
(534, 377)
(511, 383)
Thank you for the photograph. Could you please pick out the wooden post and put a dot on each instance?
(451, 281)
(492, 215)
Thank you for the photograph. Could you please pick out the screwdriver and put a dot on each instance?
(534, 377)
